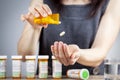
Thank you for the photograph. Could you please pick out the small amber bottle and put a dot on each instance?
(57, 68)
(51, 19)
(3, 67)
(30, 67)
(43, 66)
(16, 66)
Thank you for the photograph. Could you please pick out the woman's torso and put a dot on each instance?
(80, 30)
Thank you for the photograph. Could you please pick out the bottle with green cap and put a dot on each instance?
(78, 73)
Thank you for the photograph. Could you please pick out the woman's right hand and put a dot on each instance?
(37, 10)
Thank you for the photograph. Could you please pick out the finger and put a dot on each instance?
(25, 17)
(41, 25)
(74, 57)
(29, 18)
(67, 58)
(61, 54)
(22, 18)
(45, 25)
(52, 49)
(66, 50)
(55, 49)
(72, 61)
(41, 11)
(34, 12)
(37, 26)
(47, 9)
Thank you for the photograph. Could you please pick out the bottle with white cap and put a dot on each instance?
(3, 66)
(16, 66)
(78, 73)
(57, 68)
(43, 66)
(30, 66)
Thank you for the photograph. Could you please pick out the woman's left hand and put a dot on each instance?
(66, 54)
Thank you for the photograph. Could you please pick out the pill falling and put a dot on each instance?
(62, 33)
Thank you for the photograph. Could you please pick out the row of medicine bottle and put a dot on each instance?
(31, 67)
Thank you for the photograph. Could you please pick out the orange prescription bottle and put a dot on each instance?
(43, 66)
(16, 66)
(3, 67)
(51, 19)
(30, 66)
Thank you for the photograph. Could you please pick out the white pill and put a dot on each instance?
(59, 22)
(62, 33)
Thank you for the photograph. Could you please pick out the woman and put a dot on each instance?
(91, 28)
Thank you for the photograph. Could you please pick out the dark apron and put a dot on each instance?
(80, 30)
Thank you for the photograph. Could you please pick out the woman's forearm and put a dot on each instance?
(28, 41)
(104, 40)
(35, 1)
(106, 35)
(91, 57)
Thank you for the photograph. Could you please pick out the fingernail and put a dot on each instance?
(65, 45)
(49, 13)
(36, 15)
(45, 15)
(56, 42)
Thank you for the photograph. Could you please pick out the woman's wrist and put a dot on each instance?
(80, 51)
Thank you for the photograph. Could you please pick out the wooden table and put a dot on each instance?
(64, 78)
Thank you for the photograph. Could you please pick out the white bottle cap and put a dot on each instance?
(30, 57)
(16, 57)
(43, 57)
(3, 57)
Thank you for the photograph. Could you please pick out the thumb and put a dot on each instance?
(75, 55)
(22, 18)
(45, 25)
(27, 17)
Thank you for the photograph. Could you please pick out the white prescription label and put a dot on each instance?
(43, 66)
(16, 65)
(30, 66)
(2, 65)
(57, 66)
(57, 69)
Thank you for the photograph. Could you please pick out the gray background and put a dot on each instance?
(11, 28)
